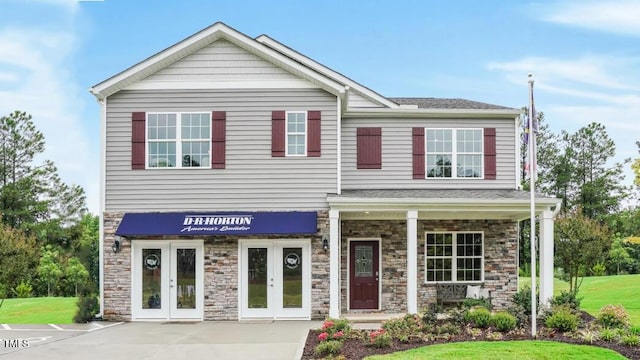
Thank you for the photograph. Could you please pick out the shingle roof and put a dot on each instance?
(440, 103)
(505, 194)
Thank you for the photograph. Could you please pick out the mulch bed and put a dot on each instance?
(356, 348)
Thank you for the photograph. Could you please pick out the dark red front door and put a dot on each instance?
(363, 277)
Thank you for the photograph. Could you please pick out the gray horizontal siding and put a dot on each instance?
(220, 61)
(397, 165)
(358, 101)
(252, 179)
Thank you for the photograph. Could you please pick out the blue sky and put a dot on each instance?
(585, 56)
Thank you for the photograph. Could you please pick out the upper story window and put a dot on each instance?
(454, 153)
(178, 140)
(454, 256)
(296, 133)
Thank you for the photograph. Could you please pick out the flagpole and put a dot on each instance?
(532, 180)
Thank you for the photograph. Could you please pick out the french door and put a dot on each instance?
(275, 279)
(167, 279)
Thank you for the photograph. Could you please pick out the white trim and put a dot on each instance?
(167, 272)
(454, 153)
(198, 41)
(546, 257)
(366, 92)
(286, 133)
(274, 309)
(379, 240)
(431, 113)
(178, 139)
(334, 263)
(517, 163)
(454, 256)
(412, 262)
(103, 196)
(221, 85)
(339, 145)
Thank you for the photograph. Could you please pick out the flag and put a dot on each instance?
(530, 132)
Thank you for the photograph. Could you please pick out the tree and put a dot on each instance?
(592, 183)
(619, 257)
(32, 195)
(636, 167)
(18, 258)
(580, 243)
(49, 268)
(76, 273)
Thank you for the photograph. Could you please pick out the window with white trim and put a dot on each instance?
(454, 153)
(454, 256)
(296, 133)
(178, 140)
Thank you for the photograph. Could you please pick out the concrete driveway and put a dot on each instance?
(277, 340)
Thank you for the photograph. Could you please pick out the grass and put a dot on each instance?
(598, 291)
(42, 310)
(504, 350)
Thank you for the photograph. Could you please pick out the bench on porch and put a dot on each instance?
(456, 293)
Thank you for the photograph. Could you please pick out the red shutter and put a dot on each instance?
(313, 133)
(369, 144)
(218, 139)
(418, 153)
(138, 134)
(278, 133)
(490, 153)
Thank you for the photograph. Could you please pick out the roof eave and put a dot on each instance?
(439, 203)
(431, 113)
(196, 42)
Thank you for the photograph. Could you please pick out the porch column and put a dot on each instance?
(412, 262)
(546, 257)
(334, 263)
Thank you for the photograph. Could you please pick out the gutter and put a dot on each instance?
(431, 113)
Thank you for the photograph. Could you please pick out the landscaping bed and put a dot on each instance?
(338, 340)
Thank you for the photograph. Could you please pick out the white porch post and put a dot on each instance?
(546, 257)
(412, 262)
(334, 263)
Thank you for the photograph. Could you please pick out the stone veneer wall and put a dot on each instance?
(500, 257)
(500, 251)
(220, 273)
(393, 235)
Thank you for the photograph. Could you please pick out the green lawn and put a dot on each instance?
(504, 350)
(42, 310)
(598, 291)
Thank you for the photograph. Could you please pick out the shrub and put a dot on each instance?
(330, 347)
(634, 330)
(519, 313)
(429, 317)
(470, 303)
(457, 316)
(599, 269)
(24, 289)
(562, 319)
(380, 338)
(404, 327)
(87, 309)
(614, 316)
(503, 321)
(523, 299)
(588, 336)
(567, 298)
(630, 340)
(479, 317)
(608, 335)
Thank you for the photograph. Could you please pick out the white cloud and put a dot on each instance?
(615, 16)
(38, 62)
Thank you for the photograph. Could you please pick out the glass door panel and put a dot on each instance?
(258, 277)
(292, 277)
(151, 264)
(186, 278)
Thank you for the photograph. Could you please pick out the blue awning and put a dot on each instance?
(217, 223)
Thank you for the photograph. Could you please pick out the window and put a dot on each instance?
(454, 256)
(178, 140)
(296, 134)
(454, 153)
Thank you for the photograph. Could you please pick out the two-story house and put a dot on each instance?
(243, 180)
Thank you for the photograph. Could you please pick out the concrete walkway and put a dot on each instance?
(279, 340)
